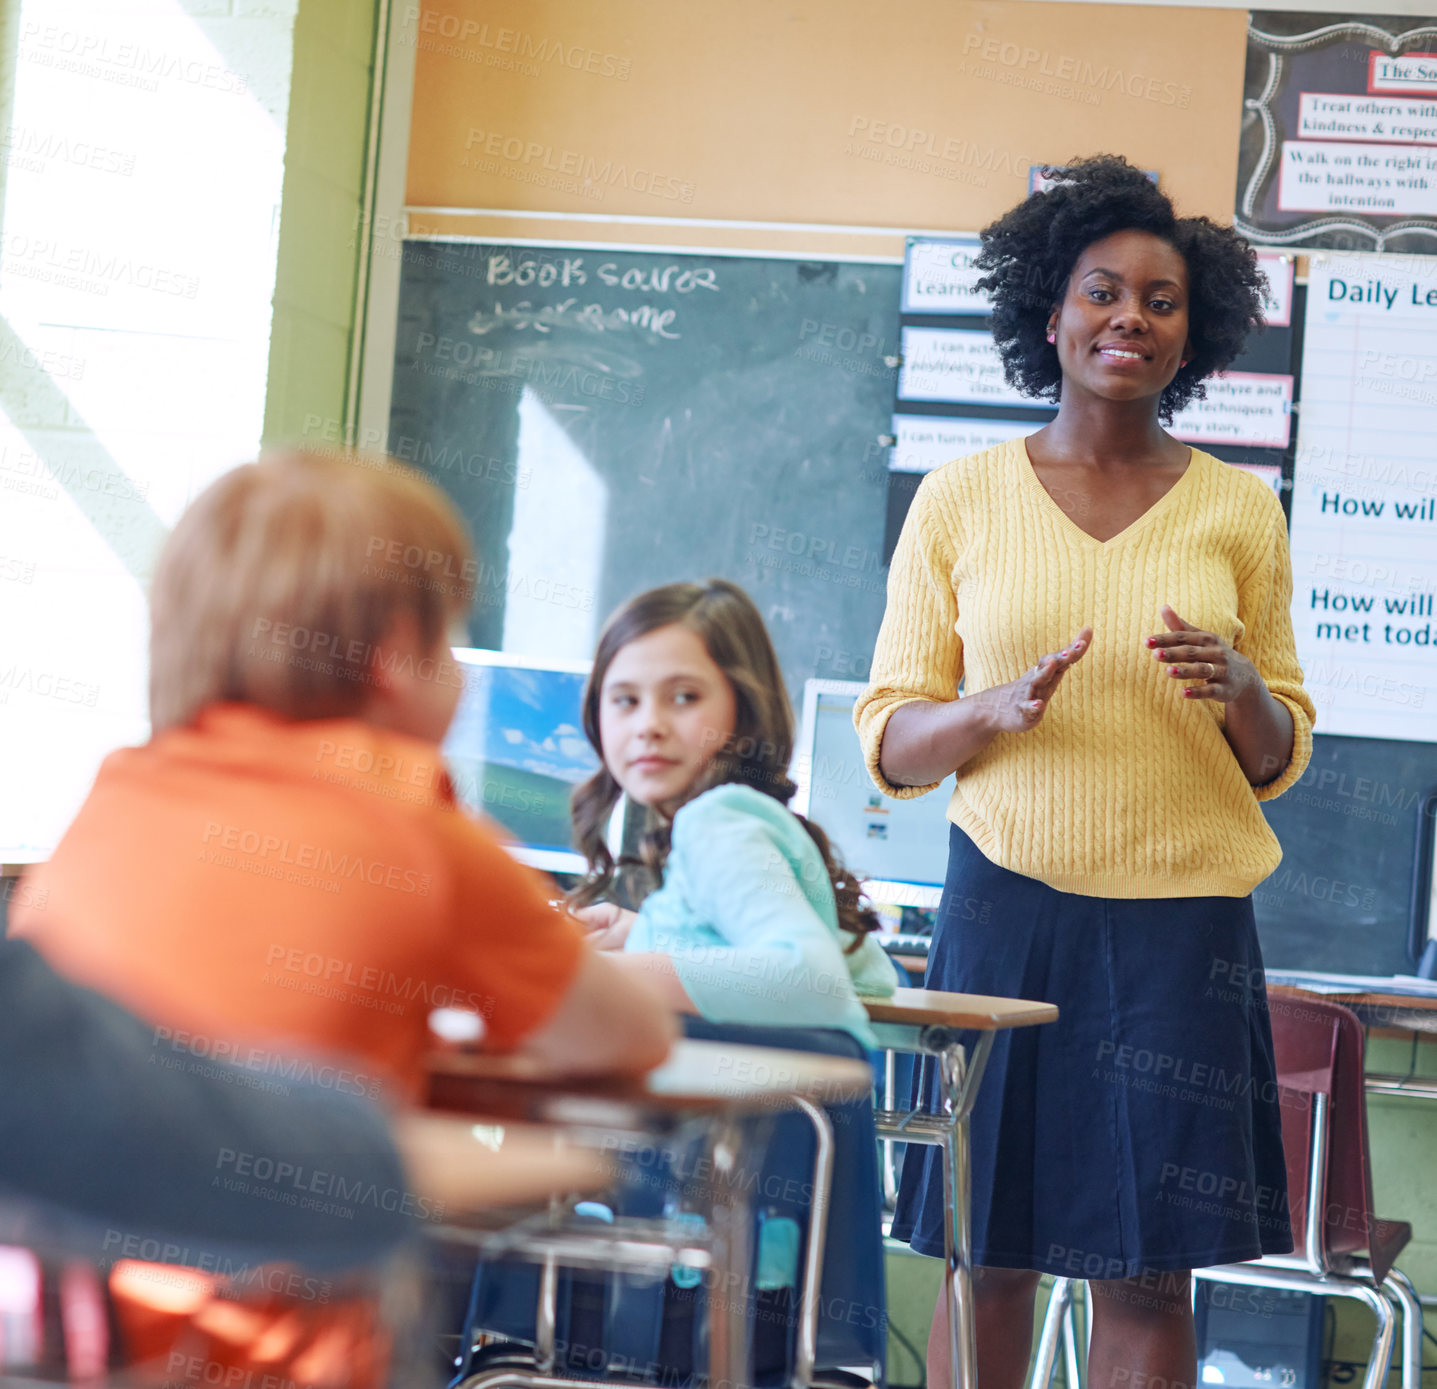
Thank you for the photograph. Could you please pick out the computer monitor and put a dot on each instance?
(516, 749)
(1258, 1337)
(900, 848)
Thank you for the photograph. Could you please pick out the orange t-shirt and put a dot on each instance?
(261, 884)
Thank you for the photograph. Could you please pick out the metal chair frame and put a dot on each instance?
(649, 1247)
(1314, 1270)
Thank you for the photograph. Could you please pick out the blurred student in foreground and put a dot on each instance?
(284, 864)
(121, 1148)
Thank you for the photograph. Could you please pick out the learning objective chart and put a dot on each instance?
(1364, 504)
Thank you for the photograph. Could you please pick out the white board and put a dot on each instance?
(1364, 506)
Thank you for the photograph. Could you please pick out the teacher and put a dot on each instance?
(1091, 627)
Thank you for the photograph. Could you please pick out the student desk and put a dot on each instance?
(714, 1083)
(1406, 1012)
(1376, 1008)
(931, 1024)
(518, 1166)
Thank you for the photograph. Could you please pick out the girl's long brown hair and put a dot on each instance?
(724, 618)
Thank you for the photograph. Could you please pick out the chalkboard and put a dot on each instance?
(611, 420)
(1342, 898)
(722, 416)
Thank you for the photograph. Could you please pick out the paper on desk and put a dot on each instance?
(1414, 983)
(1317, 982)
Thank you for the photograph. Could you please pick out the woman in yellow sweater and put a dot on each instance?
(1115, 606)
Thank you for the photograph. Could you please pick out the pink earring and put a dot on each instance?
(1182, 363)
(1052, 337)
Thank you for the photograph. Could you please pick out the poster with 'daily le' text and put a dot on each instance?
(1364, 503)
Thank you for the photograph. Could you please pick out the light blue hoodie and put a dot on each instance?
(747, 914)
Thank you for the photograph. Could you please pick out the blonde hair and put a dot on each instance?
(283, 575)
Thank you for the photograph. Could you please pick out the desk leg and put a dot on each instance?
(729, 1296)
(890, 1101)
(544, 1328)
(547, 1317)
(960, 1075)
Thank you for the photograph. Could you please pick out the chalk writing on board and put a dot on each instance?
(570, 270)
(546, 272)
(650, 458)
(594, 318)
(542, 271)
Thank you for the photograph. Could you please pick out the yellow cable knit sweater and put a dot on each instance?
(1126, 788)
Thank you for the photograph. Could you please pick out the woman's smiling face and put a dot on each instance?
(1122, 325)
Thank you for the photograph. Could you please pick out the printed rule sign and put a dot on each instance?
(961, 366)
(1364, 503)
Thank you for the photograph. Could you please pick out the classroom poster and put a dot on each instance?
(1364, 505)
(961, 366)
(939, 277)
(924, 442)
(1339, 132)
(1280, 270)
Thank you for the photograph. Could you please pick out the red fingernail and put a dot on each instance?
(1172, 670)
(1152, 641)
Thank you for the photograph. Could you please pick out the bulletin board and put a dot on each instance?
(1339, 132)
(952, 397)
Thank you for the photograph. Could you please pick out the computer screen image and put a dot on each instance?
(899, 848)
(516, 749)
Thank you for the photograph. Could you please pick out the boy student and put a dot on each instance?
(284, 862)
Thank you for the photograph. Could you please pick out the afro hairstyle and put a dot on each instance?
(1028, 254)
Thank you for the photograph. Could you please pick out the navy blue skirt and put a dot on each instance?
(1141, 1131)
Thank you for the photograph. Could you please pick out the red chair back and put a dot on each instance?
(1318, 1046)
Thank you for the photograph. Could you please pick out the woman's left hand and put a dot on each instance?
(1189, 653)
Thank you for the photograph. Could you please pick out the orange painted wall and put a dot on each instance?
(916, 114)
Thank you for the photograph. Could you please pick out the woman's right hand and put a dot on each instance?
(925, 740)
(608, 925)
(1020, 705)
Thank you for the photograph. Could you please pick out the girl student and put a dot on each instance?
(745, 915)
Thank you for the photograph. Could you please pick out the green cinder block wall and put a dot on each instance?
(319, 235)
